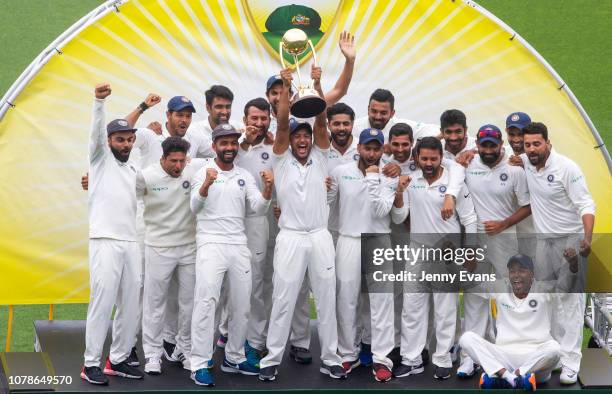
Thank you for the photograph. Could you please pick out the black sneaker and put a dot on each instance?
(300, 355)
(132, 359)
(94, 375)
(334, 371)
(268, 374)
(441, 373)
(122, 369)
(407, 370)
(425, 357)
(169, 350)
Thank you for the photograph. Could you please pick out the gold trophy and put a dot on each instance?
(306, 102)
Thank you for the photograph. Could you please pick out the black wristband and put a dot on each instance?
(143, 107)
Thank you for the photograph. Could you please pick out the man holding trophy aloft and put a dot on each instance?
(304, 245)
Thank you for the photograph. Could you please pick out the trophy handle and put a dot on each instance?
(280, 53)
(314, 61)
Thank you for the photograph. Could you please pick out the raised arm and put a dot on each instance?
(98, 136)
(281, 142)
(320, 135)
(151, 100)
(347, 46)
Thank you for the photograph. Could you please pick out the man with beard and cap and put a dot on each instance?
(274, 85)
(524, 352)
(381, 115)
(221, 195)
(563, 216)
(453, 125)
(170, 249)
(304, 245)
(367, 201)
(501, 200)
(219, 101)
(114, 256)
(426, 193)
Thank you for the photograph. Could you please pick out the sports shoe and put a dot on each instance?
(425, 357)
(381, 372)
(132, 359)
(365, 354)
(222, 341)
(268, 374)
(525, 382)
(487, 382)
(183, 358)
(203, 377)
(334, 371)
(243, 368)
(406, 370)
(568, 376)
(467, 369)
(153, 366)
(94, 375)
(122, 369)
(252, 355)
(441, 373)
(300, 355)
(350, 365)
(169, 351)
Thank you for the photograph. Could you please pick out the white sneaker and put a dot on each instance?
(466, 369)
(153, 366)
(186, 361)
(568, 376)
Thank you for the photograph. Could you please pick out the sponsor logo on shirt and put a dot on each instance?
(550, 178)
(186, 185)
(576, 179)
(477, 173)
(411, 186)
(503, 177)
(350, 178)
(159, 189)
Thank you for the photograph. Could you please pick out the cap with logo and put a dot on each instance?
(274, 79)
(179, 103)
(118, 125)
(489, 133)
(295, 125)
(224, 130)
(522, 260)
(291, 17)
(518, 120)
(369, 135)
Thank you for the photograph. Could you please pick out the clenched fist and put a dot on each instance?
(152, 99)
(268, 178)
(211, 176)
(372, 169)
(156, 127)
(102, 91)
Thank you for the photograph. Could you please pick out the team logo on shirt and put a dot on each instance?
(550, 178)
(442, 189)
(186, 185)
(356, 156)
(533, 303)
(503, 177)
(265, 156)
(241, 182)
(412, 167)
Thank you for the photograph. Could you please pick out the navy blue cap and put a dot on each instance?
(271, 81)
(295, 125)
(489, 132)
(224, 130)
(117, 126)
(522, 260)
(179, 103)
(518, 120)
(370, 134)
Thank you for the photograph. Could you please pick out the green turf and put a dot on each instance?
(572, 35)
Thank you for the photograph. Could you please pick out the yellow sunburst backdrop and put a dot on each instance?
(433, 55)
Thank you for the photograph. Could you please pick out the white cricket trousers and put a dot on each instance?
(539, 359)
(170, 330)
(296, 252)
(261, 294)
(213, 262)
(349, 273)
(114, 279)
(162, 264)
(568, 308)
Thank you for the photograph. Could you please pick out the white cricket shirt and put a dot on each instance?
(301, 190)
(220, 216)
(112, 186)
(559, 196)
(365, 202)
(496, 192)
(257, 159)
(470, 145)
(335, 159)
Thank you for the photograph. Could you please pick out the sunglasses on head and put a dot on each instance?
(489, 133)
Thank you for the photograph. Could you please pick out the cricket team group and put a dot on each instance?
(212, 236)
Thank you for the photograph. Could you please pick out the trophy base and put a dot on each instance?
(307, 106)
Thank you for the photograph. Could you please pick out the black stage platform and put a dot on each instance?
(62, 344)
